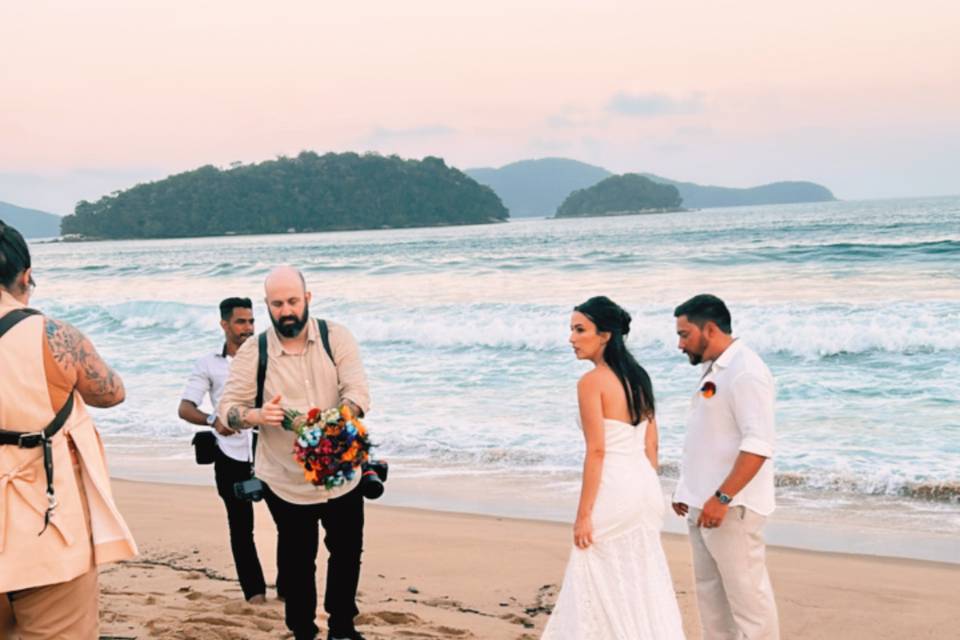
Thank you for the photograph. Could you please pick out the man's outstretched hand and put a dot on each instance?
(271, 414)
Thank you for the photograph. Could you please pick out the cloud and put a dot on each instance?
(671, 147)
(571, 117)
(547, 145)
(651, 105)
(695, 132)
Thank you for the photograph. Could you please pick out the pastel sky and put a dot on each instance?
(860, 95)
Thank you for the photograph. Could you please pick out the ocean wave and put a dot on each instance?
(829, 331)
(803, 331)
(508, 459)
(833, 252)
(932, 491)
(136, 317)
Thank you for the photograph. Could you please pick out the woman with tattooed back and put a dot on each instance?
(58, 520)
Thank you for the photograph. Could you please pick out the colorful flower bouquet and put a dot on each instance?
(331, 445)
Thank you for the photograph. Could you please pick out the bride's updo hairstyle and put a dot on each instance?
(613, 319)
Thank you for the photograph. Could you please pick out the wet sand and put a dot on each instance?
(429, 574)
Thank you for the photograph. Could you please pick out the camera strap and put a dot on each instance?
(263, 357)
(43, 438)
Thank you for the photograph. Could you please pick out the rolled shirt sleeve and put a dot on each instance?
(241, 388)
(352, 379)
(753, 401)
(198, 384)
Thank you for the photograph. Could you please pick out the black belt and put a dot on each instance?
(34, 439)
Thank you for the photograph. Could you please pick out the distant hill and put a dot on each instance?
(629, 193)
(697, 196)
(307, 193)
(30, 222)
(537, 187)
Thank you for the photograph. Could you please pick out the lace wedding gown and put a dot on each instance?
(620, 588)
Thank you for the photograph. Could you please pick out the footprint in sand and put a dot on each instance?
(421, 629)
(392, 618)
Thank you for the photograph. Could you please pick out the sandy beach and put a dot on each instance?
(432, 574)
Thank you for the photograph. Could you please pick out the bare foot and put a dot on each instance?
(257, 599)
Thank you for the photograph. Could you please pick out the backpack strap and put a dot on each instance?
(261, 366)
(12, 318)
(262, 359)
(325, 337)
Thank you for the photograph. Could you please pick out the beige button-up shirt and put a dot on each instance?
(304, 381)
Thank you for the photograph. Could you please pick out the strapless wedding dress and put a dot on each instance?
(620, 588)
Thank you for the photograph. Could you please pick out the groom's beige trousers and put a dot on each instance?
(734, 594)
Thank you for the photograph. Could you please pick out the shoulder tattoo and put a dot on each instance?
(72, 350)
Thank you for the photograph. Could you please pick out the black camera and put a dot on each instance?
(251, 490)
(372, 479)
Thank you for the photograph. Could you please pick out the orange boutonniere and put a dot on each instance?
(708, 390)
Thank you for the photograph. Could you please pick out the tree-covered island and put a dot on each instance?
(310, 192)
(620, 195)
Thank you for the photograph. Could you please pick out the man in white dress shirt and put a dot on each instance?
(233, 460)
(726, 488)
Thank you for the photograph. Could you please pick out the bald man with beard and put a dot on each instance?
(300, 376)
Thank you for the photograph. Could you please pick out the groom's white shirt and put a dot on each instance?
(739, 417)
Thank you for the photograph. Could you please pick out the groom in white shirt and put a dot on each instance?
(726, 484)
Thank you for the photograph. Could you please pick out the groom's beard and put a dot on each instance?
(695, 357)
(290, 326)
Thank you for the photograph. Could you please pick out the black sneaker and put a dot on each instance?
(353, 635)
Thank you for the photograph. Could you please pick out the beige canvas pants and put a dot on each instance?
(65, 611)
(734, 593)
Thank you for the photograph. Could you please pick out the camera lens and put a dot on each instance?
(370, 485)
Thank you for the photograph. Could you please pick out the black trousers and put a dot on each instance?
(240, 519)
(297, 546)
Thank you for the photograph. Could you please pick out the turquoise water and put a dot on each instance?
(855, 306)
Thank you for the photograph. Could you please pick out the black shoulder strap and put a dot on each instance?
(261, 367)
(10, 320)
(262, 360)
(325, 337)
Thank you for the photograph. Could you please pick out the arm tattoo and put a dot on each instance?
(234, 421)
(72, 350)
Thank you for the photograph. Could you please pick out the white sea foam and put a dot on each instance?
(855, 306)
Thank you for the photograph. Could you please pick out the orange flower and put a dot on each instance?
(708, 390)
(351, 453)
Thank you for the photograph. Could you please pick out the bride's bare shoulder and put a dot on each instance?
(597, 379)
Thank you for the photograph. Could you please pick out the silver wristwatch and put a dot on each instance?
(211, 418)
(722, 497)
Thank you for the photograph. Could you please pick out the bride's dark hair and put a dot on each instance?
(613, 319)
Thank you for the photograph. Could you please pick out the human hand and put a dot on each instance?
(222, 429)
(583, 532)
(354, 409)
(271, 414)
(713, 513)
(680, 509)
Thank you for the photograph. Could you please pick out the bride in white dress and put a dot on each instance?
(617, 584)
